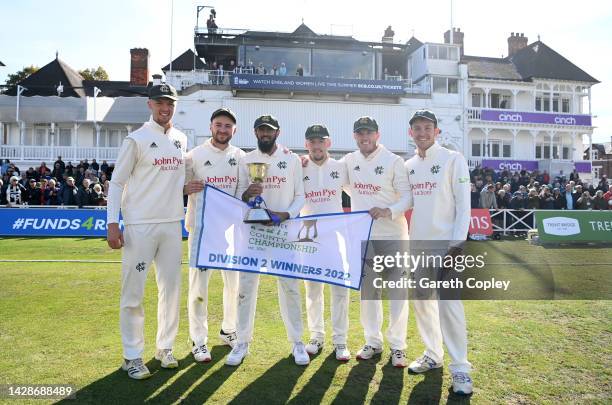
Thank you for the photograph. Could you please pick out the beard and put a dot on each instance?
(266, 146)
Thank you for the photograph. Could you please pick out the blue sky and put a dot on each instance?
(88, 34)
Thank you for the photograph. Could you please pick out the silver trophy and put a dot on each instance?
(256, 214)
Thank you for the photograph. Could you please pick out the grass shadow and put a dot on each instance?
(357, 384)
(428, 391)
(319, 383)
(391, 385)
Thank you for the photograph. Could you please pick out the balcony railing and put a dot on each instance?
(50, 153)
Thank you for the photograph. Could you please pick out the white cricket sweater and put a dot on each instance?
(380, 180)
(323, 187)
(440, 185)
(283, 186)
(147, 183)
(216, 167)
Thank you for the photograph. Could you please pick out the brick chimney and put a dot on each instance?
(139, 66)
(516, 42)
(457, 38)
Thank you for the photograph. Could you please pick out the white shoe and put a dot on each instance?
(228, 339)
(167, 358)
(201, 353)
(367, 352)
(462, 383)
(342, 353)
(136, 369)
(398, 358)
(314, 346)
(299, 354)
(423, 364)
(237, 354)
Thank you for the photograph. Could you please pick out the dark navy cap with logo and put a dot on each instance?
(317, 131)
(426, 115)
(163, 90)
(368, 123)
(223, 111)
(266, 120)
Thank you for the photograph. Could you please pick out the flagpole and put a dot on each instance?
(171, 32)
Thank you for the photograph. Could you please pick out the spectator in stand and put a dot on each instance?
(585, 202)
(475, 197)
(599, 202)
(97, 197)
(86, 164)
(545, 177)
(104, 167)
(32, 174)
(503, 199)
(560, 202)
(274, 70)
(52, 194)
(106, 186)
(300, 70)
(91, 176)
(232, 67)
(603, 185)
(2, 193)
(95, 166)
(487, 197)
(43, 186)
(69, 192)
(282, 71)
(608, 197)
(261, 70)
(15, 192)
(547, 201)
(110, 170)
(43, 170)
(568, 195)
(576, 195)
(80, 175)
(83, 196)
(33, 193)
(574, 176)
(57, 171)
(69, 170)
(61, 163)
(533, 200)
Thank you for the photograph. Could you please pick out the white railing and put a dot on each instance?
(50, 153)
(473, 162)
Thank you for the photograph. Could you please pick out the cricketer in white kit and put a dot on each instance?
(215, 162)
(324, 180)
(378, 183)
(147, 187)
(440, 183)
(283, 193)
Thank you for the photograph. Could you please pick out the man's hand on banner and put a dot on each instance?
(377, 212)
(254, 190)
(277, 217)
(194, 186)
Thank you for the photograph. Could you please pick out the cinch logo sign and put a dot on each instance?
(561, 226)
(510, 117)
(511, 166)
(565, 120)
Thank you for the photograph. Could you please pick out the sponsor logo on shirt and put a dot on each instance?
(208, 163)
(463, 180)
(357, 168)
(424, 188)
(222, 182)
(325, 193)
(165, 163)
(367, 188)
(274, 181)
(141, 266)
(306, 178)
(411, 171)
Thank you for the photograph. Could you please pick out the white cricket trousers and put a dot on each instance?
(146, 244)
(339, 311)
(372, 309)
(289, 301)
(197, 302)
(443, 321)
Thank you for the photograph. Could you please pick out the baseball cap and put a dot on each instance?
(317, 131)
(223, 111)
(425, 114)
(163, 90)
(365, 123)
(266, 120)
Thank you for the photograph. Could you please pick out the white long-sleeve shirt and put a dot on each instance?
(323, 187)
(147, 183)
(440, 185)
(283, 187)
(216, 167)
(379, 180)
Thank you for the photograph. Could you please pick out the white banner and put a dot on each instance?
(324, 248)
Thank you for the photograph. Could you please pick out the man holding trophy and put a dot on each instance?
(215, 162)
(276, 193)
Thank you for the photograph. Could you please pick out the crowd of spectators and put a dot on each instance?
(537, 190)
(85, 184)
